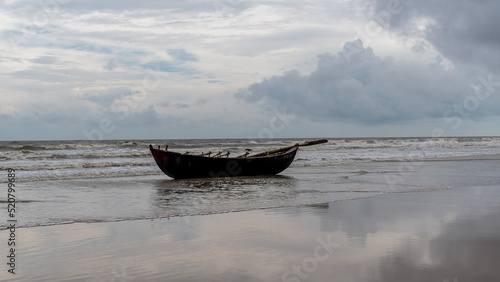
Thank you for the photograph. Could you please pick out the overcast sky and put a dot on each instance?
(234, 68)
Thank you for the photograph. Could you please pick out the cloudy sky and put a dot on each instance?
(235, 68)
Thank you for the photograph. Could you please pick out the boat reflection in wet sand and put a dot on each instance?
(184, 165)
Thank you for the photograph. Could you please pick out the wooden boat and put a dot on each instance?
(182, 165)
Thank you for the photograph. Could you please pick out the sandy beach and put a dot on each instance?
(429, 220)
(448, 235)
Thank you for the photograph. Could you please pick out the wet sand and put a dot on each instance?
(447, 235)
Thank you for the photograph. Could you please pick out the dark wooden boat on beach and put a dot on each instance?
(183, 165)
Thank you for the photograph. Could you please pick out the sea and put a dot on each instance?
(65, 182)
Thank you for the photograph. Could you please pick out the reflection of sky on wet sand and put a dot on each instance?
(426, 236)
(418, 237)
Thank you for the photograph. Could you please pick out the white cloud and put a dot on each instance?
(67, 62)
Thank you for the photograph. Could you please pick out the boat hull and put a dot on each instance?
(180, 166)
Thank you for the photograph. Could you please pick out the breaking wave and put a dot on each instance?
(45, 160)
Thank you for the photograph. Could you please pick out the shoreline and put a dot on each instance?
(157, 196)
(392, 236)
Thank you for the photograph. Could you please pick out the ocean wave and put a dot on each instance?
(68, 145)
(75, 154)
(59, 166)
(449, 142)
(122, 158)
(86, 170)
(62, 147)
(422, 156)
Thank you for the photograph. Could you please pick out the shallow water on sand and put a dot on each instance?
(157, 196)
(60, 182)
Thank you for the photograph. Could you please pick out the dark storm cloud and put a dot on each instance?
(366, 89)
(464, 31)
